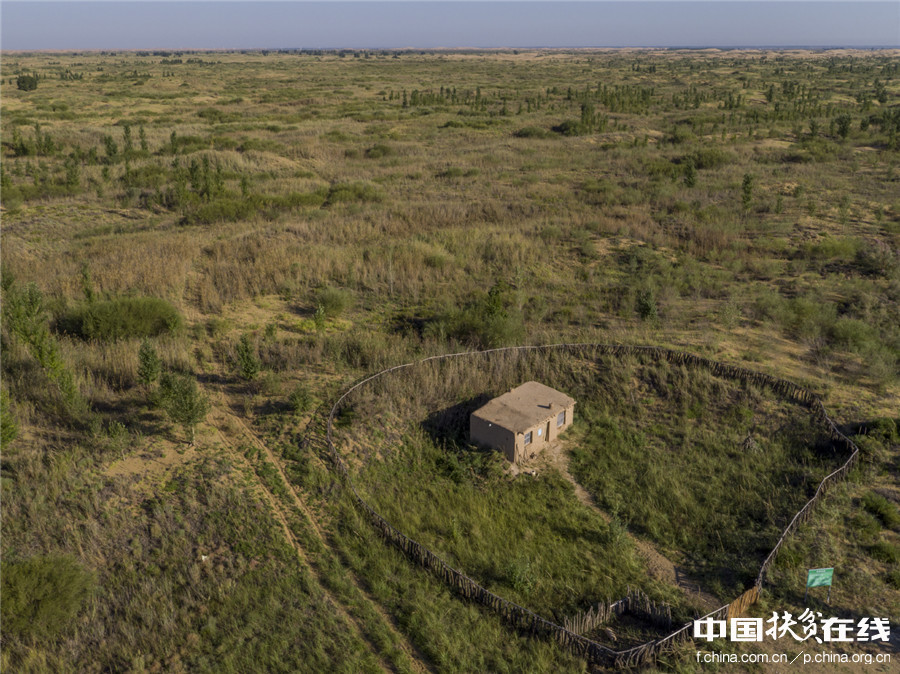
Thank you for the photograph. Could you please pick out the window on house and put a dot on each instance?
(561, 419)
(528, 438)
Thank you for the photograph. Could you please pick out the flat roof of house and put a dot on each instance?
(524, 406)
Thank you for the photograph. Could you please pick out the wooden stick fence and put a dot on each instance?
(635, 602)
(569, 635)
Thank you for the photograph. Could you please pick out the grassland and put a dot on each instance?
(663, 451)
(276, 224)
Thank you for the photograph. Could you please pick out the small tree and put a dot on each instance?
(843, 125)
(319, 318)
(87, 283)
(747, 191)
(27, 82)
(300, 399)
(248, 363)
(645, 304)
(128, 140)
(183, 402)
(112, 149)
(149, 364)
(690, 172)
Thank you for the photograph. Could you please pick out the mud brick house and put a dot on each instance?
(522, 421)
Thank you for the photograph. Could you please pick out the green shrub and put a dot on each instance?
(378, 151)
(520, 575)
(212, 115)
(551, 233)
(27, 82)
(333, 301)
(884, 429)
(570, 127)
(853, 334)
(866, 527)
(457, 172)
(41, 595)
(25, 315)
(300, 399)
(351, 192)
(883, 509)
(885, 552)
(234, 209)
(877, 258)
(892, 577)
(809, 316)
(645, 304)
(149, 364)
(260, 145)
(833, 248)
(183, 402)
(247, 360)
(487, 321)
(532, 132)
(121, 318)
(187, 144)
(711, 157)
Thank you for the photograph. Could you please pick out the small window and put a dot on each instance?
(561, 419)
(528, 438)
(540, 432)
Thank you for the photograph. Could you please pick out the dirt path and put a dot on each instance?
(658, 565)
(222, 418)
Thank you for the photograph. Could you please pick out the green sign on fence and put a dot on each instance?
(819, 577)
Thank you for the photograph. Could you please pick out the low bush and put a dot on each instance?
(570, 127)
(334, 301)
(884, 429)
(120, 318)
(486, 321)
(881, 508)
(892, 577)
(300, 399)
(378, 151)
(41, 595)
(877, 258)
(457, 172)
(260, 145)
(866, 528)
(532, 132)
(234, 209)
(351, 192)
(711, 157)
(885, 552)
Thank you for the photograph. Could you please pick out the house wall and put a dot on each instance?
(491, 435)
(512, 445)
(548, 433)
(556, 430)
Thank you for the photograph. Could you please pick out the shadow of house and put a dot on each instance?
(451, 424)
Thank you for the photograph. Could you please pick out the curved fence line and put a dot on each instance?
(528, 621)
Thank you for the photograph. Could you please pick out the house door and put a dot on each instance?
(547, 433)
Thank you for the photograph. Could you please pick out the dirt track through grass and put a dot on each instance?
(221, 416)
(658, 565)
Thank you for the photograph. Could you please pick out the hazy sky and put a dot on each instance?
(433, 23)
